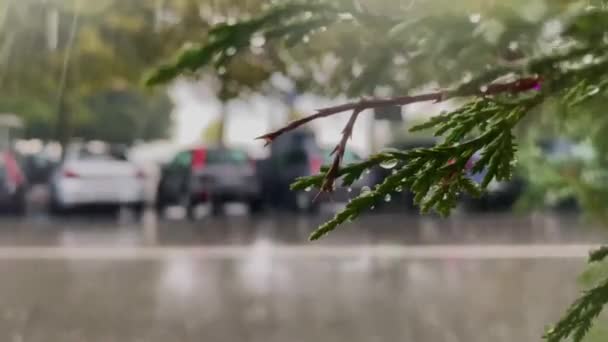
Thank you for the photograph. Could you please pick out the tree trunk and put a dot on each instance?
(221, 136)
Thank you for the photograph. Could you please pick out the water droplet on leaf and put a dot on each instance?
(483, 89)
(399, 60)
(231, 51)
(387, 198)
(399, 188)
(588, 58)
(475, 18)
(389, 164)
(308, 189)
(593, 91)
(345, 16)
(258, 41)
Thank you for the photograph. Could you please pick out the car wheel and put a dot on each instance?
(19, 205)
(217, 207)
(476, 205)
(55, 205)
(256, 206)
(189, 205)
(160, 206)
(138, 208)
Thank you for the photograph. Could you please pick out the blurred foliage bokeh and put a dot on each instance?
(72, 68)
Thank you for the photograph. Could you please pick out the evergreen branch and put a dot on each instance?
(437, 175)
(355, 207)
(350, 173)
(517, 86)
(580, 315)
(286, 22)
(598, 254)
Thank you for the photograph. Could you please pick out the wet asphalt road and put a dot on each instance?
(387, 277)
(122, 228)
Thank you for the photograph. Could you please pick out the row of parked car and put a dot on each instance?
(219, 175)
(98, 173)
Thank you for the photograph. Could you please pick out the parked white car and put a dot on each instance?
(95, 174)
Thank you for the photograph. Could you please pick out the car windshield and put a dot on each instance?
(223, 156)
(98, 152)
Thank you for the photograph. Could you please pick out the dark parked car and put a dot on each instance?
(37, 168)
(292, 155)
(12, 184)
(402, 199)
(498, 195)
(209, 175)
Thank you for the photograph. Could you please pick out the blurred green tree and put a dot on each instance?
(61, 61)
(213, 133)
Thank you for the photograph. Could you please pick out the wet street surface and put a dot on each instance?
(121, 228)
(387, 277)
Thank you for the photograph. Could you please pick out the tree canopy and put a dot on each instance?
(71, 68)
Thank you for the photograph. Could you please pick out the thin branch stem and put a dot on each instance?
(520, 85)
(338, 152)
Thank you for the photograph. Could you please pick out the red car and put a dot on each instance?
(209, 175)
(12, 184)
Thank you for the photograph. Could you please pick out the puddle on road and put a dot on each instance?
(263, 298)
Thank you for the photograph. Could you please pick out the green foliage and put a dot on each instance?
(212, 134)
(114, 43)
(578, 322)
(289, 22)
(580, 316)
(599, 254)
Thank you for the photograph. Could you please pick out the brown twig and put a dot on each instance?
(338, 153)
(520, 85)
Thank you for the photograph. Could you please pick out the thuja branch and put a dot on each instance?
(520, 85)
(492, 89)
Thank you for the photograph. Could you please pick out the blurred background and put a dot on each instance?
(151, 214)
